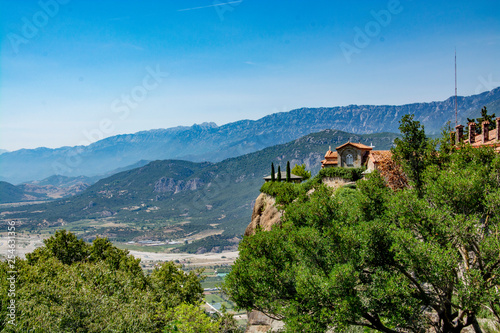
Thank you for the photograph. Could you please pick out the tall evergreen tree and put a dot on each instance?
(288, 171)
(413, 150)
(279, 173)
(273, 176)
(485, 116)
(479, 121)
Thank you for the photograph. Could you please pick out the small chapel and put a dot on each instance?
(355, 155)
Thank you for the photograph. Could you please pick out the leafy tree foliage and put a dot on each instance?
(64, 246)
(279, 174)
(410, 260)
(413, 150)
(70, 286)
(352, 174)
(300, 170)
(273, 176)
(283, 192)
(189, 318)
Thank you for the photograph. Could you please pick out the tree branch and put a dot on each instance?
(377, 324)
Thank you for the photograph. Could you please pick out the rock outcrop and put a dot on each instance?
(165, 184)
(259, 322)
(264, 215)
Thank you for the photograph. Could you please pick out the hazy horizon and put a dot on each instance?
(70, 68)
(87, 141)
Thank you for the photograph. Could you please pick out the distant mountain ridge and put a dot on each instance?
(209, 142)
(174, 198)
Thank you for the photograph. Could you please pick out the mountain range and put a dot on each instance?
(53, 187)
(209, 142)
(174, 198)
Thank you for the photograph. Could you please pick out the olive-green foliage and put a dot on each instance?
(189, 318)
(374, 196)
(283, 192)
(352, 174)
(380, 259)
(300, 170)
(413, 151)
(64, 246)
(70, 286)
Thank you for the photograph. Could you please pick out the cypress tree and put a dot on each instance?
(273, 176)
(288, 171)
(279, 173)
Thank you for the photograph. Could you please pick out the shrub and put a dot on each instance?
(352, 174)
(284, 193)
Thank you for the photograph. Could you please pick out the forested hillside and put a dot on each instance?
(168, 199)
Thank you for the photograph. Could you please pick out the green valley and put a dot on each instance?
(176, 201)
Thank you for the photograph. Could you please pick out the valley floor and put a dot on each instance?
(187, 259)
(26, 243)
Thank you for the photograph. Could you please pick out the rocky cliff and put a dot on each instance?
(264, 215)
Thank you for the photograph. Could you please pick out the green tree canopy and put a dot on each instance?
(421, 258)
(68, 285)
(413, 151)
(300, 170)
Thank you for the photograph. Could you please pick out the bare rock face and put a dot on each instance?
(259, 322)
(171, 185)
(264, 214)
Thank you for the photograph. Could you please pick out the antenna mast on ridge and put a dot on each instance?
(456, 103)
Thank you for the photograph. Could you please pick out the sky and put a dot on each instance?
(73, 72)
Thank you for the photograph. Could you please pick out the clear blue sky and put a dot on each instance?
(74, 71)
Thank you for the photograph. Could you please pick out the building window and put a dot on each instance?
(349, 160)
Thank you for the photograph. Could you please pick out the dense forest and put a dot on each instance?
(420, 257)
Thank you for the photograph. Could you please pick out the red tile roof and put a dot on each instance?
(357, 145)
(329, 162)
(331, 154)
